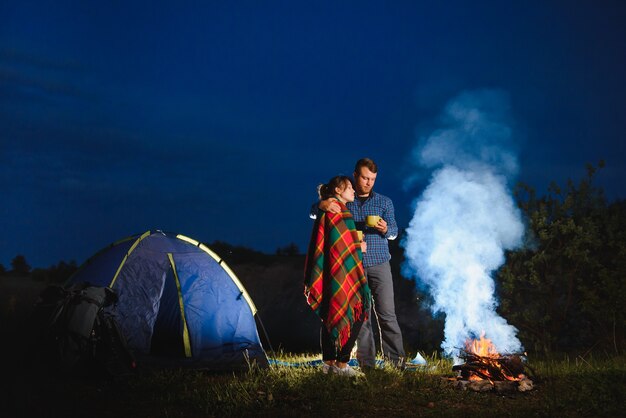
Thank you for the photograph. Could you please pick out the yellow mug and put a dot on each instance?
(372, 220)
(360, 235)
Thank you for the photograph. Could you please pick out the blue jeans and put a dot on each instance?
(383, 306)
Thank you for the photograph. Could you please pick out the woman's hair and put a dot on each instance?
(328, 190)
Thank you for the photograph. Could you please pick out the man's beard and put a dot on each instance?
(364, 193)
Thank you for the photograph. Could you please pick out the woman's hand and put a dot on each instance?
(363, 246)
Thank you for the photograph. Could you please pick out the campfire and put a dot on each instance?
(485, 369)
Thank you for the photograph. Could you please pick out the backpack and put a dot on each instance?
(77, 335)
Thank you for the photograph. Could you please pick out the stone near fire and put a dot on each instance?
(480, 385)
(505, 386)
(462, 384)
(525, 385)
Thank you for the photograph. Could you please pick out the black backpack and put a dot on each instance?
(77, 335)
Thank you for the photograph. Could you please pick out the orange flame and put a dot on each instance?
(482, 347)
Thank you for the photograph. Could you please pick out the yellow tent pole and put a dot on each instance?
(222, 263)
(132, 248)
(186, 340)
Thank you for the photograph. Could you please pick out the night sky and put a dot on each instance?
(217, 120)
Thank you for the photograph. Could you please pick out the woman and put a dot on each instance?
(335, 283)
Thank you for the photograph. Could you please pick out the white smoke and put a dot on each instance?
(466, 218)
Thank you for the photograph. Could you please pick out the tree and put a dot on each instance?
(288, 250)
(62, 271)
(20, 266)
(603, 297)
(565, 288)
(3, 270)
(238, 254)
(55, 274)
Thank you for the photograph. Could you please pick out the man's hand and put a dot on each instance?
(363, 246)
(381, 226)
(329, 205)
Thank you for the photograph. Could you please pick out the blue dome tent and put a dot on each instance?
(179, 303)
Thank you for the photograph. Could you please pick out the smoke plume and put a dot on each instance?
(466, 218)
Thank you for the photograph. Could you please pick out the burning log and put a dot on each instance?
(477, 367)
(485, 369)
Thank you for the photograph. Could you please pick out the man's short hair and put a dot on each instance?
(366, 162)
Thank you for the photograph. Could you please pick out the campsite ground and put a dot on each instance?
(590, 386)
(563, 390)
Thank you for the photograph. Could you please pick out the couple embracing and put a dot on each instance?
(347, 271)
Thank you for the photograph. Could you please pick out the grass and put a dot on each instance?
(564, 388)
(590, 386)
(583, 386)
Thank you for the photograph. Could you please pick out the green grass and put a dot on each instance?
(583, 386)
(564, 388)
(592, 386)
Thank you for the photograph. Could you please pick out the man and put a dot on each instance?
(376, 263)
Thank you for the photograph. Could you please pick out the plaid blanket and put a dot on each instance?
(334, 284)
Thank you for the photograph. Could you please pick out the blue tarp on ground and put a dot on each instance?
(416, 364)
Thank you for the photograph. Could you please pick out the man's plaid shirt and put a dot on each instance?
(377, 245)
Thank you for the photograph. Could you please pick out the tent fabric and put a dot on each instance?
(179, 303)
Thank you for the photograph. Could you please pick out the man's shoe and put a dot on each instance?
(366, 364)
(398, 363)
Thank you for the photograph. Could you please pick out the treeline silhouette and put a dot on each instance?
(60, 272)
(564, 290)
(57, 273)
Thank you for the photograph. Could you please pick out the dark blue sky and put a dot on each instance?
(218, 119)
